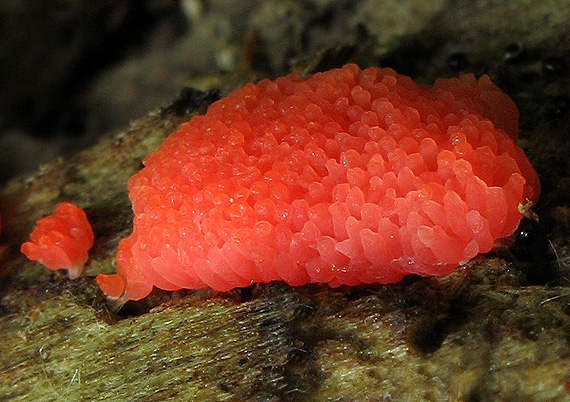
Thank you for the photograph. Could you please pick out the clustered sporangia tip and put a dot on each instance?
(345, 177)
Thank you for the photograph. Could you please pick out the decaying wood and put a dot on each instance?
(497, 329)
(476, 333)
